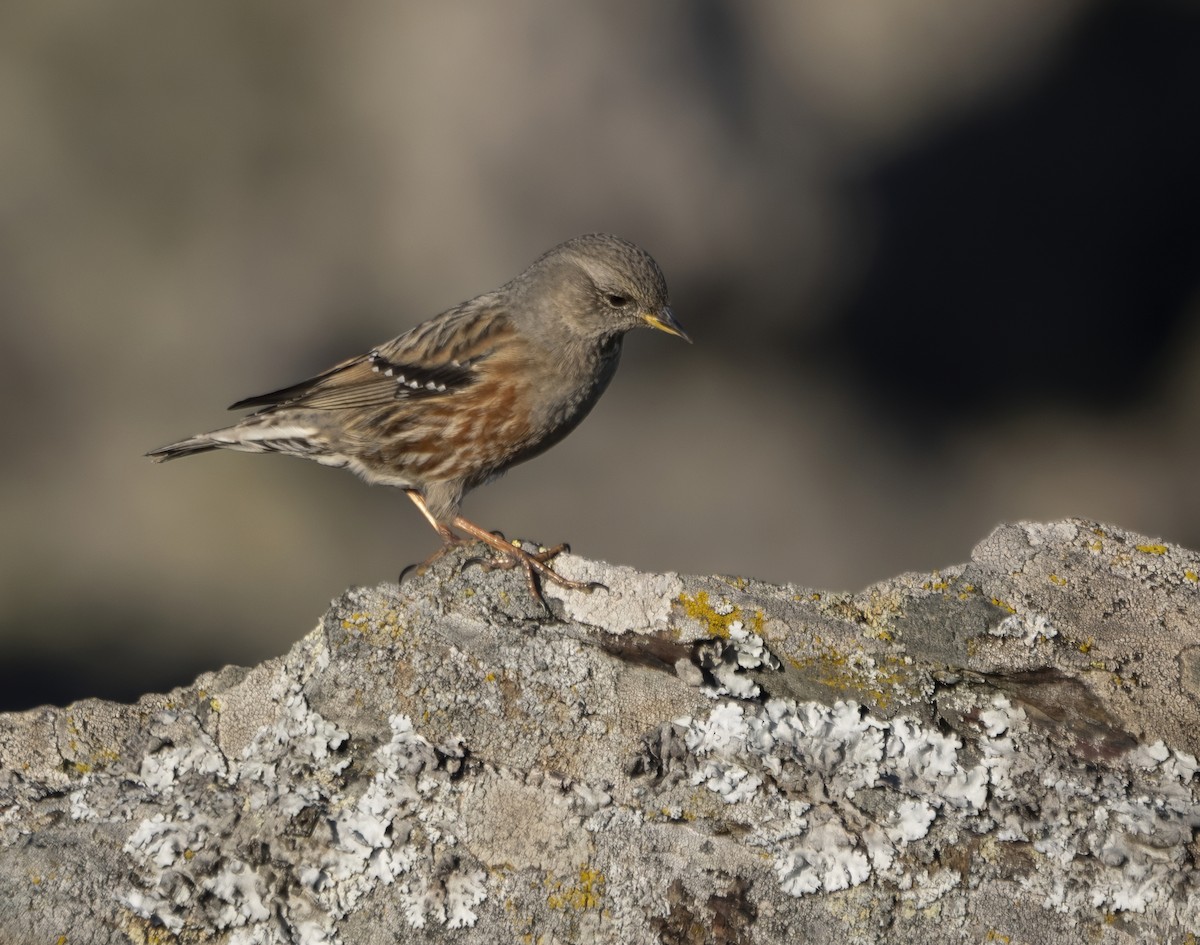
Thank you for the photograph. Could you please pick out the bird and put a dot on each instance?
(458, 400)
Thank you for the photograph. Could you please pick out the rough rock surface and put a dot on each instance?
(1003, 751)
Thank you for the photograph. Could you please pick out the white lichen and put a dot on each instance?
(1028, 627)
(828, 860)
(1110, 832)
(189, 875)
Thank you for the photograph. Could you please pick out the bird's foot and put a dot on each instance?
(420, 570)
(510, 554)
(536, 565)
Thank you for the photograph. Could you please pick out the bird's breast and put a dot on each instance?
(568, 391)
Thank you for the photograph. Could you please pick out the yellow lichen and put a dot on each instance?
(1059, 581)
(356, 619)
(585, 894)
(1086, 645)
(672, 814)
(142, 932)
(855, 676)
(717, 622)
(875, 613)
(936, 582)
(364, 623)
(1190, 575)
(1003, 605)
(1152, 549)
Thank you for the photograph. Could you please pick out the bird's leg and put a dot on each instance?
(535, 565)
(449, 540)
(419, 501)
(508, 555)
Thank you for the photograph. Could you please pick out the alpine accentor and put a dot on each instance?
(456, 401)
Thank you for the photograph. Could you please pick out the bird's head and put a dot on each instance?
(602, 286)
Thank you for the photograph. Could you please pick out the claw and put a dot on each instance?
(536, 563)
(420, 569)
(507, 554)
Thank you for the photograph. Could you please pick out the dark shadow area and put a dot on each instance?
(1043, 251)
(28, 680)
(113, 667)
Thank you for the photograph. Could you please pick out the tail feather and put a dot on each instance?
(193, 444)
(255, 434)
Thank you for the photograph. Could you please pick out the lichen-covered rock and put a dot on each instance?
(1002, 751)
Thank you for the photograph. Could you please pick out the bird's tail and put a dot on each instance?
(260, 433)
(193, 444)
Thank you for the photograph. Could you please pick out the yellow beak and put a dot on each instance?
(664, 320)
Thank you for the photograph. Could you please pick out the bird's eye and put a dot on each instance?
(616, 301)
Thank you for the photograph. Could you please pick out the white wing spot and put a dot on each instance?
(388, 372)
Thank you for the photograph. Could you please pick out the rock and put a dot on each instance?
(1000, 751)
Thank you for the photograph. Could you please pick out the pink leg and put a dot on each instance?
(508, 554)
(449, 539)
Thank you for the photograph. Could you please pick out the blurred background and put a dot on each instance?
(941, 261)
